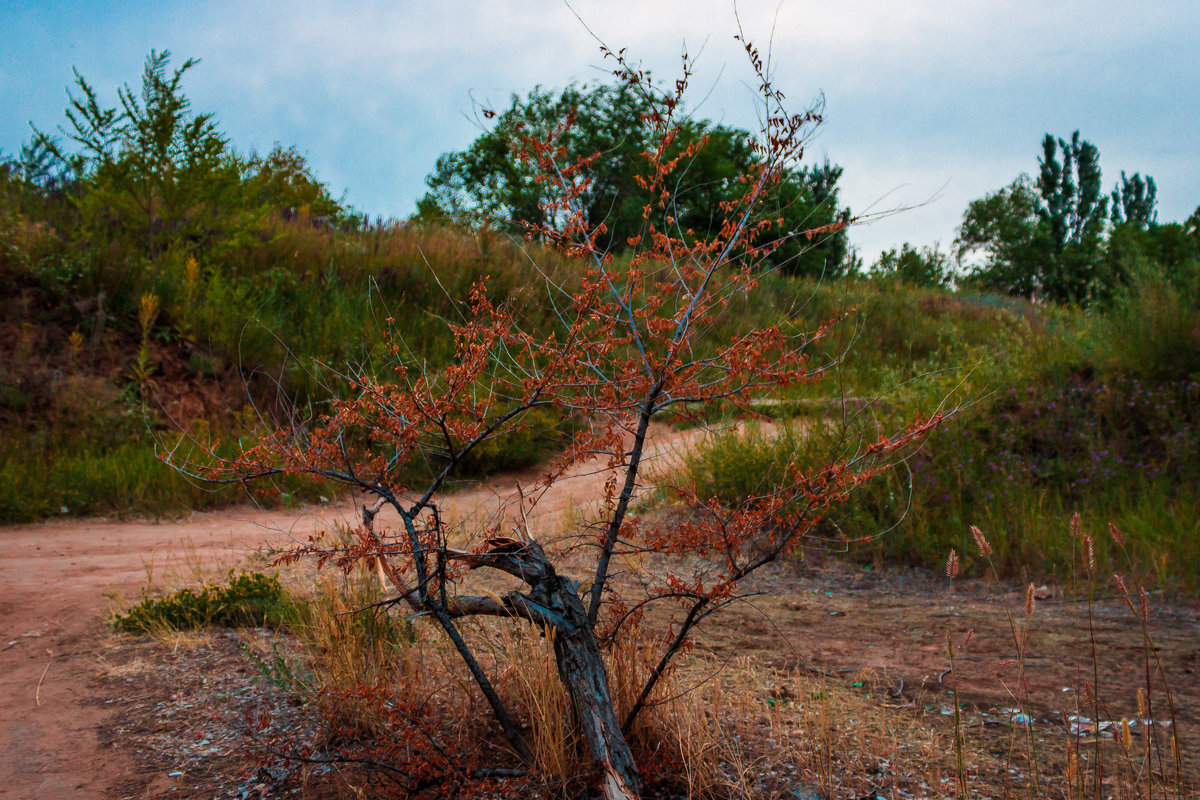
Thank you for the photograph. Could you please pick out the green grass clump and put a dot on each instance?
(1058, 412)
(737, 466)
(248, 599)
(43, 474)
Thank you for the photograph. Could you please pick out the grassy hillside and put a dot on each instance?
(1054, 411)
(111, 353)
(161, 287)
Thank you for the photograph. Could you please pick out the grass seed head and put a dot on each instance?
(952, 564)
(1123, 589)
(985, 547)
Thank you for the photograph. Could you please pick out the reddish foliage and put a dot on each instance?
(630, 344)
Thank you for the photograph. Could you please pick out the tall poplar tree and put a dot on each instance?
(1046, 239)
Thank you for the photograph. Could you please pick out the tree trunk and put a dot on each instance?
(553, 600)
(582, 671)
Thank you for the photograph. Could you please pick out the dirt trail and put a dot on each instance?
(54, 578)
(55, 712)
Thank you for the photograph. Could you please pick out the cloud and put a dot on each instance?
(921, 97)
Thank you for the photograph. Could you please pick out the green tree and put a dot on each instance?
(494, 179)
(148, 166)
(1074, 211)
(927, 266)
(1139, 244)
(1005, 228)
(1133, 202)
(1047, 239)
(1072, 203)
(282, 180)
(1169, 246)
(152, 172)
(807, 199)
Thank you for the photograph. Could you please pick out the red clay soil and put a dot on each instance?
(890, 628)
(57, 735)
(55, 578)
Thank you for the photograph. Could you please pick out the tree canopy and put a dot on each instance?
(495, 180)
(1057, 238)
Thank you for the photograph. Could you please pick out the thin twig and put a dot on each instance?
(37, 693)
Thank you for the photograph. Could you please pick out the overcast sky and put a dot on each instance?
(933, 103)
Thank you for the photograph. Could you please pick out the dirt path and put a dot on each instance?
(54, 578)
(884, 631)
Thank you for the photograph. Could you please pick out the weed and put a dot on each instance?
(1097, 756)
(247, 599)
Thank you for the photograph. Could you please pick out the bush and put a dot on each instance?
(736, 466)
(1152, 329)
(248, 599)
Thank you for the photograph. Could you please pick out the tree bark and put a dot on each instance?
(553, 600)
(582, 672)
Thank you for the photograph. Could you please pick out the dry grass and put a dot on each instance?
(530, 677)
(720, 730)
(735, 728)
(738, 729)
(351, 644)
(755, 732)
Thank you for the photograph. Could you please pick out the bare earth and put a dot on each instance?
(54, 578)
(56, 715)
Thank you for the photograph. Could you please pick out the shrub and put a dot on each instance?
(1152, 329)
(736, 466)
(247, 599)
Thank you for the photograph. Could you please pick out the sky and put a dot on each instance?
(928, 105)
